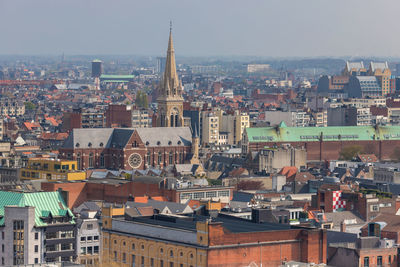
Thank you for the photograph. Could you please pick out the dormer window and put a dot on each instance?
(147, 143)
(77, 145)
(179, 142)
(101, 144)
(169, 142)
(158, 143)
(90, 144)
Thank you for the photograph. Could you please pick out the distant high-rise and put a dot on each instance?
(97, 68)
(160, 67)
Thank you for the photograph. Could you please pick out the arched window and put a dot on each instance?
(78, 160)
(102, 161)
(171, 158)
(159, 158)
(91, 160)
(148, 158)
(180, 157)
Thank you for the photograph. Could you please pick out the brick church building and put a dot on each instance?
(139, 148)
(127, 148)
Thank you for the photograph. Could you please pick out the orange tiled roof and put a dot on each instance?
(141, 199)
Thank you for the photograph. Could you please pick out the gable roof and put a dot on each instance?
(45, 203)
(119, 137)
(176, 135)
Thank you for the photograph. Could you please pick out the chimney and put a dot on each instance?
(343, 227)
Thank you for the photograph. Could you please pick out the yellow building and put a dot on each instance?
(242, 121)
(51, 169)
(210, 129)
(128, 243)
(382, 72)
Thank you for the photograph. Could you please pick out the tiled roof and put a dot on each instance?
(45, 203)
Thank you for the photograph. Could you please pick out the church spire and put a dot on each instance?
(170, 84)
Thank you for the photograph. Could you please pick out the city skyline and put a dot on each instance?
(272, 29)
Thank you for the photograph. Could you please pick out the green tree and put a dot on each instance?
(29, 106)
(141, 99)
(349, 152)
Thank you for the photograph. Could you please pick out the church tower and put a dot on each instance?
(170, 100)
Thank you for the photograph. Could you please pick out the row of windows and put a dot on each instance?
(142, 261)
(379, 261)
(89, 238)
(90, 250)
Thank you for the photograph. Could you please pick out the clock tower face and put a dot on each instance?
(135, 160)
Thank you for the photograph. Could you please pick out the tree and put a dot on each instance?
(349, 152)
(141, 99)
(29, 106)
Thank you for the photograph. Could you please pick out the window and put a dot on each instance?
(83, 238)
(2, 235)
(171, 264)
(91, 160)
(2, 247)
(102, 162)
(83, 250)
(133, 246)
(171, 158)
(18, 247)
(36, 236)
(124, 257)
(366, 261)
(148, 158)
(159, 158)
(133, 260)
(68, 247)
(115, 256)
(96, 249)
(171, 254)
(36, 248)
(36, 260)
(379, 261)
(89, 238)
(78, 160)
(96, 237)
(161, 263)
(142, 261)
(152, 262)
(390, 259)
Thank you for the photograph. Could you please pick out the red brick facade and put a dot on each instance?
(269, 248)
(330, 150)
(117, 158)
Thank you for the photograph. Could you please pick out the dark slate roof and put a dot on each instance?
(119, 137)
(166, 136)
(340, 237)
(233, 224)
(174, 207)
(94, 136)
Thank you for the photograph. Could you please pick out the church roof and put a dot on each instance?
(119, 137)
(174, 136)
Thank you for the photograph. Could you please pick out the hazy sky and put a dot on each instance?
(277, 28)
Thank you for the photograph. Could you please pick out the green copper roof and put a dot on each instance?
(333, 133)
(45, 203)
(115, 81)
(116, 77)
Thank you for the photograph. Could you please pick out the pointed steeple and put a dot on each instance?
(170, 84)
